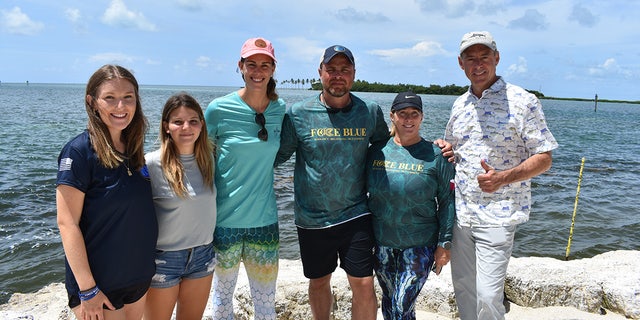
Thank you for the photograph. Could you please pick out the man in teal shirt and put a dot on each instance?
(330, 134)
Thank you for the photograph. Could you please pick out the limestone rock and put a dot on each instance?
(607, 281)
(577, 289)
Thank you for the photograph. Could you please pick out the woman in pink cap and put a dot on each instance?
(245, 126)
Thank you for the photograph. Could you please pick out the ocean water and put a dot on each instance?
(38, 119)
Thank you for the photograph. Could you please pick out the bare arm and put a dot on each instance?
(69, 202)
(492, 179)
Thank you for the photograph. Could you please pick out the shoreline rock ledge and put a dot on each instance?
(606, 286)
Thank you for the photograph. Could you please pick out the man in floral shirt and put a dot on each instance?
(501, 140)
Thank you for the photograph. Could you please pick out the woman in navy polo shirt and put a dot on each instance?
(105, 210)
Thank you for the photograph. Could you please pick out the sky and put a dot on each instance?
(562, 48)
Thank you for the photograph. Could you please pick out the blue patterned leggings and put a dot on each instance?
(257, 248)
(401, 274)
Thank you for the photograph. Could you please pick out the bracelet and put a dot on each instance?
(88, 294)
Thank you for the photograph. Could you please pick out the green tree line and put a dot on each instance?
(451, 90)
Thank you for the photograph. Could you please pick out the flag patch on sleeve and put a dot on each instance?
(65, 164)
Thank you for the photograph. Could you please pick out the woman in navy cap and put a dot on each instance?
(412, 202)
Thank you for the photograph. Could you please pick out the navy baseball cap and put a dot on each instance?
(334, 50)
(405, 100)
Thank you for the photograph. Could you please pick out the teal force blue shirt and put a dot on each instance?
(244, 163)
(410, 194)
(331, 149)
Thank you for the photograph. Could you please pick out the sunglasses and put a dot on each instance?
(332, 110)
(336, 110)
(263, 134)
(339, 48)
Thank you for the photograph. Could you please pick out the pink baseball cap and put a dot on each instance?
(257, 46)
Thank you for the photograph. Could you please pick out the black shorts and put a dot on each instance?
(351, 241)
(118, 297)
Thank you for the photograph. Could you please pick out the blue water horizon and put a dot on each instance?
(40, 118)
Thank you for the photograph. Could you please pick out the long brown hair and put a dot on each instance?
(132, 135)
(172, 167)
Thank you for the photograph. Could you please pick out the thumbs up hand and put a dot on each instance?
(486, 166)
(490, 181)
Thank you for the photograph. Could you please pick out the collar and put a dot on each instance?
(499, 85)
(330, 109)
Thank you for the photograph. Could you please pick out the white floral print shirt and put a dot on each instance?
(505, 127)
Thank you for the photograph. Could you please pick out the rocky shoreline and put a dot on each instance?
(606, 286)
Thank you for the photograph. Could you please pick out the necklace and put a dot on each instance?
(126, 165)
(125, 161)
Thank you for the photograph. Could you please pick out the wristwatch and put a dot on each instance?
(445, 245)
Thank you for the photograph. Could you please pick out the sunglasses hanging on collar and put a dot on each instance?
(331, 110)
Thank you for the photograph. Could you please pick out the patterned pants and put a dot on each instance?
(401, 274)
(257, 248)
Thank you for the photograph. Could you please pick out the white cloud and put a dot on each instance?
(417, 44)
(532, 20)
(353, 15)
(75, 17)
(609, 67)
(583, 16)
(72, 14)
(16, 22)
(421, 49)
(191, 5)
(119, 15)
(301, 49)
(517, 68)
(491, 7)
(112, 57)
(450, 8)
(203, 61)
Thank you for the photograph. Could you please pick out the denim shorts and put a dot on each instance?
(192, 263)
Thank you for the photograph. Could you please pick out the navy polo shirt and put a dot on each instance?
(118, 220)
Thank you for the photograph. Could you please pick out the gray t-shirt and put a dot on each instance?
(182, 222)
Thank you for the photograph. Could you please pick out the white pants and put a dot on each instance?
(479, 260)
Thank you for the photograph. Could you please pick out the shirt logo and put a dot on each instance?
(338, 134)
(145, 172)
(260, 43)
(65, 164)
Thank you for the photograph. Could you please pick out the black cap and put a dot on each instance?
(406, 100)
(332, 51)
